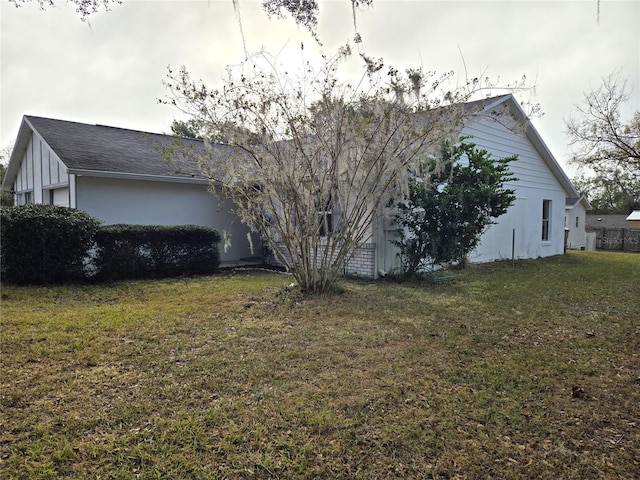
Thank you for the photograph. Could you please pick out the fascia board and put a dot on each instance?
(587, 204)
(138, 176)
(19, 145)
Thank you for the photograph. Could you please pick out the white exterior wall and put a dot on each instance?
(577, 234)
(536, 183)
(42, 175)
(162, 203)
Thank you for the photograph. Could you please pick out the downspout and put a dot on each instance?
(73, 198)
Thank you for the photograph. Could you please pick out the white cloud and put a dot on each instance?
(52, 64)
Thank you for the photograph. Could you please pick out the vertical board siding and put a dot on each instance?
(46, 168)
(40, 171)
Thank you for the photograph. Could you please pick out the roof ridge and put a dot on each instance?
(99, 125)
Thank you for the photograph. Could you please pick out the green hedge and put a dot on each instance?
(46, 244)
(42, 244)
(151, 251)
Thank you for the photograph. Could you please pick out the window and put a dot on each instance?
(326, 220)
(24, 198)
(546, 219)
(577, 222)
(324, 210)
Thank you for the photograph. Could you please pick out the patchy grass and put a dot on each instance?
(525, 372)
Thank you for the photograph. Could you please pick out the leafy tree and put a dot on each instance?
(312, 161)
(445, 213)
(608, 146)
(6, 198)
(188, 129)
(612, 194)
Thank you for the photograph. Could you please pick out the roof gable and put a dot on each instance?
(573, 201)
(635, 215)
(491, 105)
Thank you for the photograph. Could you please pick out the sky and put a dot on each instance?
(110, 69)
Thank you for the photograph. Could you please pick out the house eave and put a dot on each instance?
(139, 176)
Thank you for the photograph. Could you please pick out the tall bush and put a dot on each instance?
(444, 215)
(42, 244)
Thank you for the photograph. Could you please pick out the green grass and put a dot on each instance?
(530, 371)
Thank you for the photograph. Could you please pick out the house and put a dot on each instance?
(633, 220)
(574, 221)
(598, 222)
(615, 232)
(534, 225)
(121, 176)
(118, 176)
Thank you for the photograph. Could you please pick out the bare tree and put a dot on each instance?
(311, 161)
(83, 7)
(604, 142)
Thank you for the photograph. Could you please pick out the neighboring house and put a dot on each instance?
(598, 222)
(118, 176)
(633, 220)
(615, 232)
(574, 221)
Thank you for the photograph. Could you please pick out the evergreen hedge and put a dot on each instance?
(43, 244)
(47, 244)
(152, 251)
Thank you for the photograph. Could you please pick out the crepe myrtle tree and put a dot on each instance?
(445, 212)
(310, 161)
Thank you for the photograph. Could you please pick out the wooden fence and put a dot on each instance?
(618, 239)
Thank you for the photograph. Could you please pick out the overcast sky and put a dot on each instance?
(110, 72)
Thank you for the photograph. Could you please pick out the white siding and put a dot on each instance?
(577, 235)
(161, 203)
(39, 171)
(60, 196)
(535, 184)
(519, 231)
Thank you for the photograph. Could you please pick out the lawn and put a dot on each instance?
(530, 371)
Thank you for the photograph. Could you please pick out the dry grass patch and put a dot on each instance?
(525, 372)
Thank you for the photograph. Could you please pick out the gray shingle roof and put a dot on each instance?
(606, 221)
(100, 148)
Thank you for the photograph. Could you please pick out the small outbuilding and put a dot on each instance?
(633, 220)
(575, 212)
